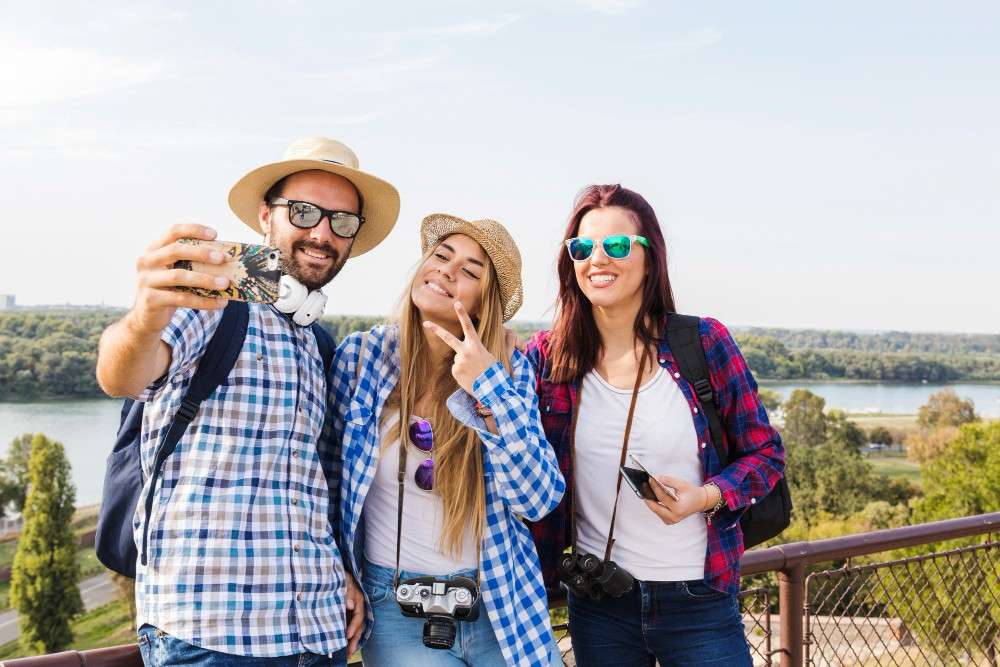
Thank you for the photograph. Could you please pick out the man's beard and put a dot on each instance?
(292, 267)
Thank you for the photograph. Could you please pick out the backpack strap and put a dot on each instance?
(684, 340)
(216, 363)
(324, 341)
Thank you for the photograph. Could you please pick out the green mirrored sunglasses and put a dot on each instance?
(615, 247)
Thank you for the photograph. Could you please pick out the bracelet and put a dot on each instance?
(718, 505)
(483, 410)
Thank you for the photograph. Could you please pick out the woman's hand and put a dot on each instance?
(691, 499)
(471, 356)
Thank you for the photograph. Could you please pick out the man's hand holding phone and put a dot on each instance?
(156, 296)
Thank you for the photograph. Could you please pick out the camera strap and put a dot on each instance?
(400, 477)
(618, 483)
(628, 429)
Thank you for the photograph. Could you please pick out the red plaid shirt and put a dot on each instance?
(758, 463)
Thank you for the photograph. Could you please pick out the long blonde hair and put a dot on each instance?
(457, 452)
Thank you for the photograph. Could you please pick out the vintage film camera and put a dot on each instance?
(441, 602)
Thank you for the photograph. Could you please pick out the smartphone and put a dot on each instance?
(640, 479)
(254, 271)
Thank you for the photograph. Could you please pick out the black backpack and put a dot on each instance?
(769, 515)
(123, 481)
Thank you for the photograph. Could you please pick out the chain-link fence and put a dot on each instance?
(933, 609)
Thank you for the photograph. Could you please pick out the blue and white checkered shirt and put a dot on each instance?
(522, 480)
(242, 554)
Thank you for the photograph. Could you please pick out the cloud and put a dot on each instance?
(106, 144)
(696, 40)
(377, 73)
(136, 15)
(356, 119)
(473, 27)
(613, 7)
(33, 76)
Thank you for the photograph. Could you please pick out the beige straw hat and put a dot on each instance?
(494, 239)
(380, 200)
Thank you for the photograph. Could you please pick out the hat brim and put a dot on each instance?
(381, 199)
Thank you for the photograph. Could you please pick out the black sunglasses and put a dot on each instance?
(306, 215)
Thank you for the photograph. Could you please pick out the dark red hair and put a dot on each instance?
(575, 343)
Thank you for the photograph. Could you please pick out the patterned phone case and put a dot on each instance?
(253, 271)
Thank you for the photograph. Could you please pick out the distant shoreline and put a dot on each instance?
(763, 382)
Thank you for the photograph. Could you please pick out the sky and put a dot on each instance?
(814, 165)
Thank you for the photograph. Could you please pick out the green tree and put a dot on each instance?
(14, 474)
(843, 431)
(927, 444)
(880, 435)
(965, 478)
(805, 422)
(45, 576)
(770, 398)
(945, 408)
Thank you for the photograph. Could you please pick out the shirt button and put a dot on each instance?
(298, 597)
(296, 548)
(703, 445)
(696, 410)
(260, 356)
(753, 501)
(662, 360)
(295, 501)
(677, 375)
(295, 453)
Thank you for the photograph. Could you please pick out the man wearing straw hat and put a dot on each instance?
(242, 562)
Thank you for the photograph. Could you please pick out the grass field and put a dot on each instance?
(896, 466)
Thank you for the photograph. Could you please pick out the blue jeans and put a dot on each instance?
(398, 640)
(673, 622)
(159, 649)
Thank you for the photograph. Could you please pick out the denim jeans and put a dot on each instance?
(672, 622)
(398, 640)
(159, 649)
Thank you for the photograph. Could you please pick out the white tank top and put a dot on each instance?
(664, 440)
(423, 513)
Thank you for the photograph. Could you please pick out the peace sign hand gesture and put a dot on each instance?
(471, 356)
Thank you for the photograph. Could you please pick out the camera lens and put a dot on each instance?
(439, 632)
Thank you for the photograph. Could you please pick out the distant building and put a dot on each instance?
(7, 302)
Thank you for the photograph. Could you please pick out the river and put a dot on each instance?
(87, 427)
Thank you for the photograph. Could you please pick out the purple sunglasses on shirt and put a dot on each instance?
(422, 437)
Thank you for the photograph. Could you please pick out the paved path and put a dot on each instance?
(95, 592)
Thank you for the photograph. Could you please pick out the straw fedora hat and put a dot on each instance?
(380, 200)
(495, 240)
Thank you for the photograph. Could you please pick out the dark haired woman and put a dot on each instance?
(608, 382)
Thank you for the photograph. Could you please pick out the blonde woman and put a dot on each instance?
(443, 455)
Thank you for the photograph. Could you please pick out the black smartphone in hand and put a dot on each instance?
(640, 479)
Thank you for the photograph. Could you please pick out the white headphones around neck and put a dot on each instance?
(296, 299)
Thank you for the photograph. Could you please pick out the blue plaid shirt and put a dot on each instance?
(522, 480)
(242, 554)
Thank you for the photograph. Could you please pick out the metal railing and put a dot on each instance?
(940, 607)
(935, 608)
